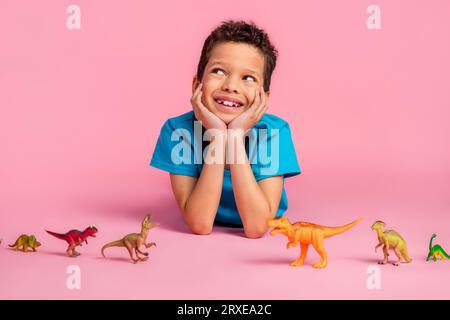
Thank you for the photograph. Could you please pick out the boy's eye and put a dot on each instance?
(218, 71)
(250, 77)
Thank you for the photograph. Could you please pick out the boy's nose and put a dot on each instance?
(230, 85)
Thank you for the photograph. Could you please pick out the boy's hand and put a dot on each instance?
(209, 120)
(252, 115)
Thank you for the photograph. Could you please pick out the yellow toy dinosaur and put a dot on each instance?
(26, 242)
(307, 233)
(390, 239)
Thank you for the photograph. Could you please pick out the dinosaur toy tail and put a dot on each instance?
(57, 235)
(13, 245)
(332, 231)
(406, 255)
(118, 243)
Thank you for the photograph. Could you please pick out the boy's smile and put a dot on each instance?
(233, 75)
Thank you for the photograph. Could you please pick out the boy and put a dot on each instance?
(236, 182)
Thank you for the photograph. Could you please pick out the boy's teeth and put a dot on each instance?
(228, 103)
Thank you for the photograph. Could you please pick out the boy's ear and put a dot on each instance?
(268, 94)
(195, 83)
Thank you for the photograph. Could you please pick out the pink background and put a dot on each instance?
(81, 111)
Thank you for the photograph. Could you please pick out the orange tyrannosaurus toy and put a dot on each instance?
(307, 233)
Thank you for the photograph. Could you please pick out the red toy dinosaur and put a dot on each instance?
(75, 238)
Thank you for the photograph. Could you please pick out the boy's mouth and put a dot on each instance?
(228, 102)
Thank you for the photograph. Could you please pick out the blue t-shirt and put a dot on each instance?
(270, 152)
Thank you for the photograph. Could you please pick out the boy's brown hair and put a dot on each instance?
(243, 32)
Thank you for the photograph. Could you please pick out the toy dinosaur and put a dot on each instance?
(436, 251)
(133, 241)
(390, 239)
(307, 233)
(26, 242)
(75, 238)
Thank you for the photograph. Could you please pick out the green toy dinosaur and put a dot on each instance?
(436, 251)
(26, 241)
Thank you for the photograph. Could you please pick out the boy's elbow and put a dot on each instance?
(255, 231)
(196, 225)
(200, 228)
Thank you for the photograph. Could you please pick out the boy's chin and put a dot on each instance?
(227, 118)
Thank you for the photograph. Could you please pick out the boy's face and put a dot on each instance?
(233, 74)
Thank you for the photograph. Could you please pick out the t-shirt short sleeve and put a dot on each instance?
(174, 150)
(276, 154)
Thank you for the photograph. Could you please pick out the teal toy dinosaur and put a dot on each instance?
(436, 251)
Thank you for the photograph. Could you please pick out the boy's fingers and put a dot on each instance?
(263, 103)
(262, 112)
(199, 102)
(256, 102)
(193, 102)
(202, 110)
(196, 92)
(263, 94)
(199, 87)
(197, 98)
(196, 101)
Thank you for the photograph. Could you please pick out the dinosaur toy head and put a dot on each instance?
(147, 223)
(433, 235)
(378, 225)
(33, 242)
(91, 230)
(280, 225)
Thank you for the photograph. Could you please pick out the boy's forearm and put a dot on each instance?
(253, 205)
(201, 207)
